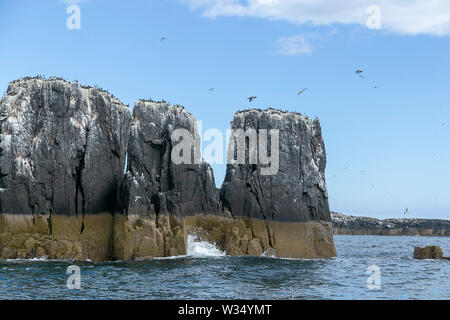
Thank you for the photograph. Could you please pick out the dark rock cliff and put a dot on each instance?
(293, 191)
(62, 148)
(154, 183)
(157, 193)
(64, 194)
(297, 191)
(62, 152)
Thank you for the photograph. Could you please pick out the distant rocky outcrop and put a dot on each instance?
(352, 225)
(428, 252)
(64, 193)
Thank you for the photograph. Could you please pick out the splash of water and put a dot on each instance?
(201, 249)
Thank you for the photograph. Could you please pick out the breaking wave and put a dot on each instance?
(201, 249)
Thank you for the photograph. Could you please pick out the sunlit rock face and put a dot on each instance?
(428, 252)
(290, 205)
(62, 151)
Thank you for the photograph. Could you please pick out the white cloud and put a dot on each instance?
(69, 2)
(399, 16)
(293, 46)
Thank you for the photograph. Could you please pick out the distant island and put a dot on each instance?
(353, 225)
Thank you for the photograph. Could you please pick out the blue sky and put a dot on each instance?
(388, 148)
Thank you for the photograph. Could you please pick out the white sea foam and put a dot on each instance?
(170, 257)
(44, 258)
(196, 248)
(202, 249)
(268, 254)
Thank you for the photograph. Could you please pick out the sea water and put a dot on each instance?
(207, 273)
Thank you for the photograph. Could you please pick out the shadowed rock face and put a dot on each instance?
(156, 191)
(296, 194)
(62, 148)
(154, 184)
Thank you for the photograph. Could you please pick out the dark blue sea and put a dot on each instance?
(206, 273)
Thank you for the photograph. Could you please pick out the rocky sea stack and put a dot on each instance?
(64, 193)
(287, 211)
(62, 152)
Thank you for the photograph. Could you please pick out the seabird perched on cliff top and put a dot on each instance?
(250, 99)
(301, 91)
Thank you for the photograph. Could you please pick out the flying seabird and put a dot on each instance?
(163, 38)
(301, 91)
(406, 211)
(250, 99)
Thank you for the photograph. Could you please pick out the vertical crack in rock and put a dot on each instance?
(49, 223)
(79, 190)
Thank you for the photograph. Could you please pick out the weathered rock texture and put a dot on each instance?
(62, 151)
(157, 192)
(64, 194)
(352, 225)
(428, 252)
(287, 211)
